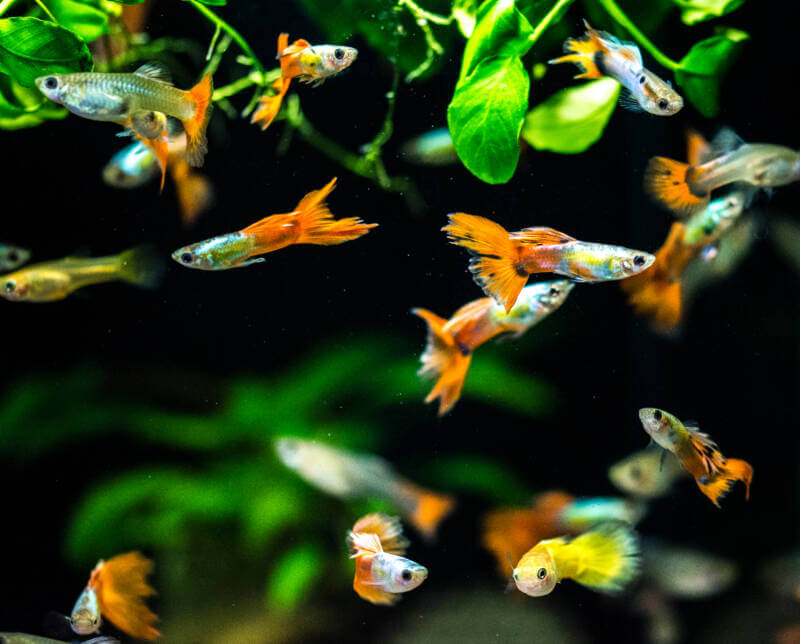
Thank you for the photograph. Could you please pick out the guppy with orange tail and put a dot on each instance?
(377, 545)
(714, 474)
(450, 344)
(309, 223)
(600, 54)
(117, 590)
(503, 261)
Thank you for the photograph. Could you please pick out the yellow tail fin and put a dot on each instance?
(609, 556)
(495, 256)
(121, 587)
(716, 486)
(583, 51)
(444, 360)
(196, 143)
(668, 182)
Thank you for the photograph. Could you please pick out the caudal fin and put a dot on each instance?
(122, 588)
(669, 182)
(388, 530)
(610, 556)
(430, 510)
(196, 143)
(141, 266)
(495, 256)
(717, 485)
(583, 51)
(444, 360)
(269, 106)
(317, 225)
(194, 190)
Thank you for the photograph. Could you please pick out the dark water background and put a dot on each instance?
(734, 368)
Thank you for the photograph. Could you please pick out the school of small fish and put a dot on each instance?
(589, 540)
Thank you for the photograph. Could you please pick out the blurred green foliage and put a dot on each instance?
(217, 470)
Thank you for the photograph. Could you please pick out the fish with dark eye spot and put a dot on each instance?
(12, 257)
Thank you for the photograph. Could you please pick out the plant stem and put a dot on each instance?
(47, 11)
(422, 14)
(5, 5)
(617, 14)
(544, 23)
(253, 78)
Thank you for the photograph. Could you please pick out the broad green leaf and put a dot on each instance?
(486, 115)
(84, 17)
(694, 11)
(500, 31)
(30, 48)
(294, 575)
(22, 107)
(572, 119)
(464, 12)
(702, 69)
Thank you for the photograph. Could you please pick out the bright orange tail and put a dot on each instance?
(431, 509)
(121, 587)
(444, 360)
(495, 256)
(669, 183)
(269, 106)
(196, 143)
(287, 55)
(160, 148)
(716, 486)
(317, 225)
(194, 190)
(582, 51)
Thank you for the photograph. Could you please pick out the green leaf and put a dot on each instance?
(213, 3)
(486, 115)
(30, 48)
(500, 31)
(464, 12)
(84, 17)
(694, 11)
(22, 107)
(572, 119)
(294, 575)
(128, 1)
(702, 69)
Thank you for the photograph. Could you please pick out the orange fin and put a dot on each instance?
(121, 587)
(366, 587)
(549, 506)
(431, 509)
(160, 148)
(495, 256)
(668, 182)
(444, 360)
(540, 236)
(196, 142)
(698, 150)
(716, 486)
(583, 51)
(194, 190)
(388, 530)
(269, 106)
(464, 322)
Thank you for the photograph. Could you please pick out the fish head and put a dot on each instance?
(555, 293)
(659, 425)
(535, 574)
(85, 618)
(630, 262)
(12, 256)
(56, 87)
(659, 97)
(16, 287)
(335, 58)
(131, 167)
(402, 575)
(290, 451)
(196, 256)
(637, 474)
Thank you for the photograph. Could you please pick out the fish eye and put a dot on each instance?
(638, 260)
(553, 292)
(516, 577)
(51, 82)
(406, 574)
(541, 573)
(657, 415)
(10, 286)
(641, 80)
(663, 103)
(338, 53)
(12, 256)
(186, 258)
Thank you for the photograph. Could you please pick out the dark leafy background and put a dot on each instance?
(735, 368)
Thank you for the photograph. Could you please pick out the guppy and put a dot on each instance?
(434, 148)
(502, 261)
(12, 256)
(50, 281)
(686, 187)
(140, 101)
(131, 167)
(377, 545)
(309, 223)
(450, 343)
(600, 54)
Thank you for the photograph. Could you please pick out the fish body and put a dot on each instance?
(709, 224)
(600, 54)
(86, 618)
(606, 559)
(686, 573)
(25, 638)
(309, 223)
(351, 475)
(583, 513)
(648, 473)
(381, 571)
(714, 474)
(131, 167)
(503, 261)
(12, 257)
(434, 148)
(450, 343)
(50, 281)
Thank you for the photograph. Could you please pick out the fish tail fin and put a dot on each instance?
(194, 190)
(317, 225)
(670, 183)
(196, 142)
(582, 51)
(431, 509)
(121, 587)
(388, 530)
(717, 486)
(444, 360)
(160, 148)
(610, 556)
(141, 266)
(269, 106)
(549, 506)
(495, 256)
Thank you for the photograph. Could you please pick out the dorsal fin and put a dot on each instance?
(725, 141)
(156, 72)
(706, 448)
(698, 150)
(540, 236)
(387, 530)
